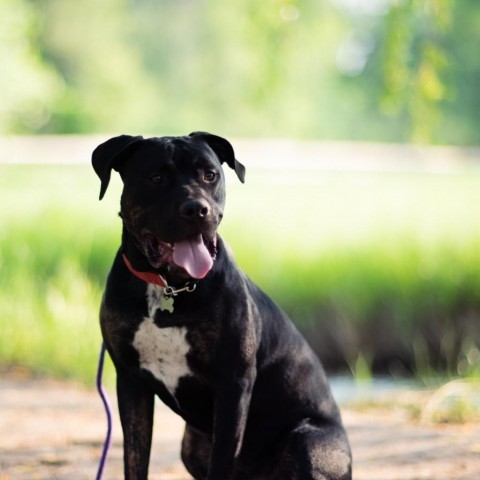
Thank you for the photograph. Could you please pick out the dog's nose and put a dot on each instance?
(194, 209)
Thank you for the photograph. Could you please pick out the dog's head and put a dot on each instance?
(173, 195)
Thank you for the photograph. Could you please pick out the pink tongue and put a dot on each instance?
(192, 255)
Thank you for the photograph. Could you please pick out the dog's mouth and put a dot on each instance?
(194, 254)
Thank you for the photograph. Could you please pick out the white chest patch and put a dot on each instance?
(162, 350)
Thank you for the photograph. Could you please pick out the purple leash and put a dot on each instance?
(108, 411)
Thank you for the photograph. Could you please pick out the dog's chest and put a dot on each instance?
(162, 351)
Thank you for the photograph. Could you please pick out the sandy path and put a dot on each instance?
(51, 430)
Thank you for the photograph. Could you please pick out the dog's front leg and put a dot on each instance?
(135, 404)
(230, 417)
(235, 379)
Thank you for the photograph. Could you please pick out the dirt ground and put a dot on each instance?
(52, 430)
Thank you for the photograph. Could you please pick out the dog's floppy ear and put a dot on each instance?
(108, 155)
(223, 150)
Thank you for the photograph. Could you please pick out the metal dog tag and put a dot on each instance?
(166, 303)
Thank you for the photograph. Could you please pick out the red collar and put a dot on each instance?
(148, 277)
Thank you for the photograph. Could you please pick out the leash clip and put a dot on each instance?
(168, 294)
(170, 291)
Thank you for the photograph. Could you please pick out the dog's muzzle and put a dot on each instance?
(195, 254)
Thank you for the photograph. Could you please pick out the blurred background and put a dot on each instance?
(358, 122)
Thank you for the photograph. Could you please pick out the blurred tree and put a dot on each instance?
(27, 84)
(106, 87)
(235, 66)
(417, 69)
(461, 110)
(338, 69)
(414, 61)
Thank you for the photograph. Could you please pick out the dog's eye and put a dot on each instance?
(158, 179)
(210, 176)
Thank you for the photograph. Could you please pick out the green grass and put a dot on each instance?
(358, 259)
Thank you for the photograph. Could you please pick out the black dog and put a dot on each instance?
(181, 321)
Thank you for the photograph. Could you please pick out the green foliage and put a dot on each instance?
(89, 44)
(48, 299)
(335, 70)
(27, 83)
(414, 62)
